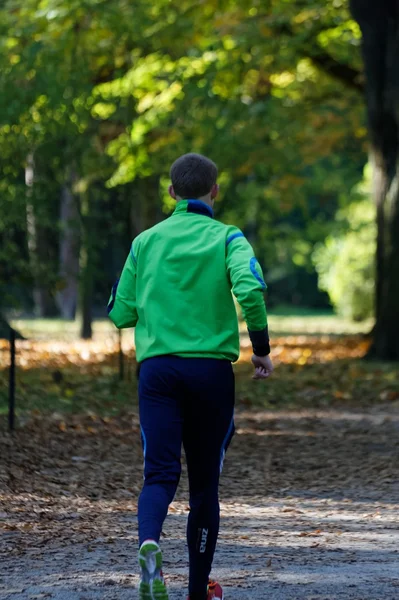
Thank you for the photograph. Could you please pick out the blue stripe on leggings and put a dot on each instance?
(144, 440)
(225, 441)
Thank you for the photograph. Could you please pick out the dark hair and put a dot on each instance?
(193, 175)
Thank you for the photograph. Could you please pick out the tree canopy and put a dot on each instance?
(100, 96)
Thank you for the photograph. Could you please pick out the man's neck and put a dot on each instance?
(205, 200)
(191, 205)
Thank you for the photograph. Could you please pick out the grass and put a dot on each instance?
(316, 323)
(82, 378)
(282, 321)
(59, 328)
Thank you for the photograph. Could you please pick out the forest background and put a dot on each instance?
(97, 98)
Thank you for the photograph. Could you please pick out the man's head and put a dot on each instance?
(194, 178)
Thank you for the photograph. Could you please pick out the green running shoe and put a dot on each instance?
(152, 584)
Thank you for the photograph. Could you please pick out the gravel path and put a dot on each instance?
(309, 510)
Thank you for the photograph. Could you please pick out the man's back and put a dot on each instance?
(184, 301)
(176, 287)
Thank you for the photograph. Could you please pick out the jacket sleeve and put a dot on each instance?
(248, 286)
(122, 303)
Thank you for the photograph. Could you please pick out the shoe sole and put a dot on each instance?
(152, 586)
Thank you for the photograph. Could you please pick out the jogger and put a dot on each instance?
(176, 290)
(187, 401)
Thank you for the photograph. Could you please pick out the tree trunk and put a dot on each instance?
(86, 295)
(67, 294)
(379, 22)
(146, 207)
(43, 302)
(252, 227)
(86, 269)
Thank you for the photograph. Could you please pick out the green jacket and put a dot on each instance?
(175, 288)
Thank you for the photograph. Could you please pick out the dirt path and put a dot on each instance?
(309, 510)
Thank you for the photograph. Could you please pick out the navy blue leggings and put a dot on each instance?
(187, 401)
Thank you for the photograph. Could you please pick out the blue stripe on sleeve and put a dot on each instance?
(252, 264)
(113, 296)
(132, 255)
(233, 236)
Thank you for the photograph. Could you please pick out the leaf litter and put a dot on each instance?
(309, 491)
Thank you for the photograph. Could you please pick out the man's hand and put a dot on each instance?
(263, 367)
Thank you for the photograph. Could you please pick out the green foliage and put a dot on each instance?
(115, 91)
(345, 262)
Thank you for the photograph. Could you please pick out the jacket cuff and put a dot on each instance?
(260, 342)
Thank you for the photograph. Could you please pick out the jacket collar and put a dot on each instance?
(194, 206)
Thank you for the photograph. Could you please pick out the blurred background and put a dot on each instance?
(98, 98)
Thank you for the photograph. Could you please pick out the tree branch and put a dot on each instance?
(347, 75)
(344, 73)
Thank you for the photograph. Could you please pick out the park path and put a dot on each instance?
(309, 509)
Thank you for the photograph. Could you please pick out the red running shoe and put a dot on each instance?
(215, 591)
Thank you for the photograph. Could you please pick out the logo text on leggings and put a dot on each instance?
(204, 537)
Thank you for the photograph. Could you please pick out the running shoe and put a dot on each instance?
(215, 591)
(152, 584)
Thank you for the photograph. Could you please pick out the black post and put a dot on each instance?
(121, 358)
(11, 388)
